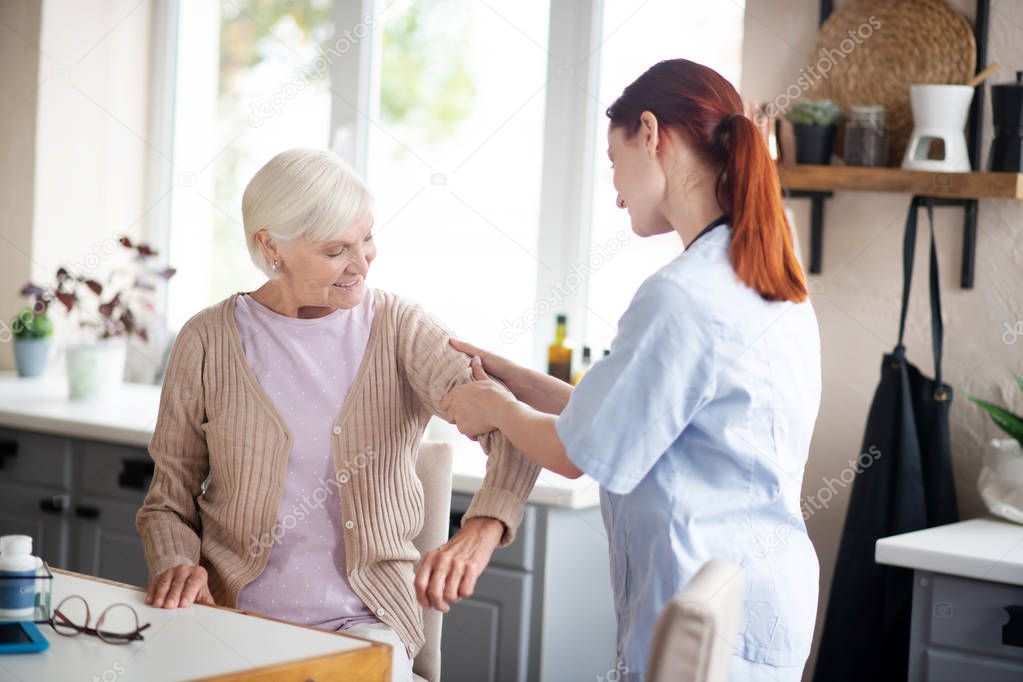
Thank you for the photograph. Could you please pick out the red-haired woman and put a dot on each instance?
(698, 424)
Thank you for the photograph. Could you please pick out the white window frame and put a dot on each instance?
(571, 114)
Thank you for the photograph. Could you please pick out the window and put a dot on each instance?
(248, 87)
(479, 126)
(454, 160)
(637, 35)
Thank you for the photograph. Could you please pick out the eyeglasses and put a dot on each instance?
(117, 624)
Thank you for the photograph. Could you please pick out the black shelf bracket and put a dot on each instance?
(816, 224)
(973, 140)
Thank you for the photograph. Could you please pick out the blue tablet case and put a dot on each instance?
(36, 640)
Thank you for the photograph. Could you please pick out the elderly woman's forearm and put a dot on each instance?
(534, 434)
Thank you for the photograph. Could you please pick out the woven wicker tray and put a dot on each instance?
(898, 43)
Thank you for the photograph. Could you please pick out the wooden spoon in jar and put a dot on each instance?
(980, 77)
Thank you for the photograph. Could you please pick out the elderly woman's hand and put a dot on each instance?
(448, 574)
(181, 586)
(474, 407)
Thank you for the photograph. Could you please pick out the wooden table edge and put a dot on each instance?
(373, 652)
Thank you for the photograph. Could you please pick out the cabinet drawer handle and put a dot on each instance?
(1012, 632)
(57, 504)
(84, 512)
(8, 450)
(135, 474)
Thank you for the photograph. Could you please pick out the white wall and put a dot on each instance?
(78, 147)
(19, 33)
(857, 299)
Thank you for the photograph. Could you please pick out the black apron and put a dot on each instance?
(904, 483)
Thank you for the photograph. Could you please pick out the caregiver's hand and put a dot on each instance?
(473, 407)
(448, 574)
(541, 392)
(181, 586)
(497, 366)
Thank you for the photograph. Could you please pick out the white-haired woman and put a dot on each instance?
(304, 402)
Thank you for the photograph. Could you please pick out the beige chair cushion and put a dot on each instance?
(433, 466)
(695, 635)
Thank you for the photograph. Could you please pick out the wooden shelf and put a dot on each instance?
(806, 178)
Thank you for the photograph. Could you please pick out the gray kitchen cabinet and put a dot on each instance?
(35, 482)
(40, 513)
(35, 458)
(106, 542)
(967, 618)
(957, 630)
(77, 499)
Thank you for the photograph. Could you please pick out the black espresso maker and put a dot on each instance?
(1007, 111)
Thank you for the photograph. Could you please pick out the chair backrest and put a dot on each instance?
(433, 467)
(695, 635)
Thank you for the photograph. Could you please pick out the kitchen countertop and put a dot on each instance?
(190, 643)
(983, 549)
(128, 418)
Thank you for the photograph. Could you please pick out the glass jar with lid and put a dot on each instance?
(866, 140)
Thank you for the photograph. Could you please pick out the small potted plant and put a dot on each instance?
(815, 123)
(33, 332)
(1001, 476)
(107, 314)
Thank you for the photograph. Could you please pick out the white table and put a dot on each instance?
(199, 642)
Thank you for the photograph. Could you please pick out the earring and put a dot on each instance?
(276, 264)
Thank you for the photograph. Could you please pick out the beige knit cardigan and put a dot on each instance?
(216, 420)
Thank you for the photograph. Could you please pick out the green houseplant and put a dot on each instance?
(32, 330)
(106, 313)
(1007, 421)
(815, 123)
(1001, 475)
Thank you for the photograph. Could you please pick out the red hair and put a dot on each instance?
(705, 107)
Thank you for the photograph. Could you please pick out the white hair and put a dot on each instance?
(302, 193)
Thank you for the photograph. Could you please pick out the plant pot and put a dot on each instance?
(814, 143)
(30, 356)
(96, 370)
(1001, 479)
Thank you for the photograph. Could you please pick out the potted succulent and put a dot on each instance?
(33, 332)
(107, 314)
(815, 123)
(1001, 476)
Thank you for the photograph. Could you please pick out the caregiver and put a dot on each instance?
(698, 423)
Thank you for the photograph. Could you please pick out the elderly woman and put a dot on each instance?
(288, 431)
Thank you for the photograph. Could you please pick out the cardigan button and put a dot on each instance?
(349, 524)
(337, 430)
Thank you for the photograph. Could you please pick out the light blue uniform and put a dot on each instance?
(697, 427)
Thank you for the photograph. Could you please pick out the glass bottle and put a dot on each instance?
(559, 355)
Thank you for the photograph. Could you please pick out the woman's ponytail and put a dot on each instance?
(761, 252)
(705, 107)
